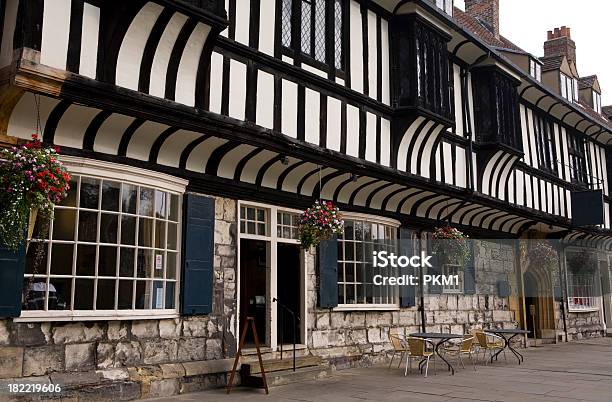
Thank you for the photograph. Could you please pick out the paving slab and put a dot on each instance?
(578, 371)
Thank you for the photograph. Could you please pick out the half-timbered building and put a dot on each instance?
(197, 130)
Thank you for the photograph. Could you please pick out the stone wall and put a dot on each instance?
(144, 354)
(362, 337)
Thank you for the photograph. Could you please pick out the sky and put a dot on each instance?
(526, 22)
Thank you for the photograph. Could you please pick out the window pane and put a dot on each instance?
(63, 224)
(173, 208)
(144, 263)
(251, 214)
(319, 32)
(128, 230)
(107, 261)
(146, 202)
(160, 234)
(37, 250)
(125, 295)
(338, 34)
(158, 295)
(110, 195)
(170, 294)
(88, 226)
(105, 299)
(286, 23)
(86, 260)
(90, 191)
(61, 259)
(158, 270)
(108, 228)
(143, 294)
(70, 200)
(306, 22)
(145, 232)
(35, 296)
(171, 265)
(59, 293)
(160, 204)
(172, 236)
(261, 215)
(128, 199)
(126, 262)
(83, 294)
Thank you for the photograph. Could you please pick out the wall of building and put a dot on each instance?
(133, 359)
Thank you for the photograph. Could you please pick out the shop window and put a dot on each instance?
(581, 290)
(355, 264)
(113, 248)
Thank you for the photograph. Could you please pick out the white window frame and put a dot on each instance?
(134, 176)
(596, 101)
(453, 270)
(363, 306)
(273, 239)
(593, 299)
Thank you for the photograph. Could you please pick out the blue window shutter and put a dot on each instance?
(328, 273)
(198, 255)
(408, 292)
(469, 272)
(12, 267)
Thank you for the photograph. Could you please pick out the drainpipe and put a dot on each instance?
(562, 283)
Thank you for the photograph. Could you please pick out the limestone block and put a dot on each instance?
(145, 329)
(166, 387)
(159, 351)
(213, 349)
(116, 330)
(43, 360)
(377, 335)
(354, 319)
(208, 367)
(356, 336)
(74, 379)
(127, 354)
(105, 355)
(113, 374)
(462, 317)
(79, 356)
(28, 334)
(11, 362)
(378, 318)
(464, 302)
(191, 349)
(77, 333)
(170, 328)
(4, 332)
(407, 317)
(172, 370)
(223, 235)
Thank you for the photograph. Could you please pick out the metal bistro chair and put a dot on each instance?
(487, 345)
(418, 350)
(465, 348)
(399, 346)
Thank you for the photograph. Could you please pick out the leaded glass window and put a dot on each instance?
(286, 22)
(306, 25)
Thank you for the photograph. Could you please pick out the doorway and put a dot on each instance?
(254, 264)
(288, 292)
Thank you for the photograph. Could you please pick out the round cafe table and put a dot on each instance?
(439, 338)
(507, 335)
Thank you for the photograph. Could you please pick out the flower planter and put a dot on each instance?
(318, 223)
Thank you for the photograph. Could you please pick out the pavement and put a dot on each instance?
(577, 371)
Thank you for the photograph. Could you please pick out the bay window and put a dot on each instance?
(581, 291)
(362, 237)
(112, 249)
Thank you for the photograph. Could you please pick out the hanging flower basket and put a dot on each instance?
(32, 181)
(320, 222)
(582, 262)
(543, 254)
(451, 244)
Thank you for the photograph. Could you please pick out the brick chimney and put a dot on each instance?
(486, 11)
(560, 43)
